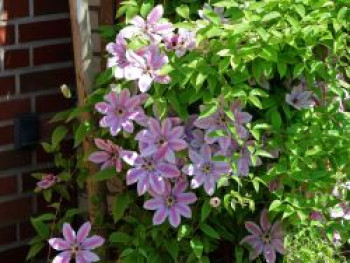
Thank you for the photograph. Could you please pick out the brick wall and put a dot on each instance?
(35, 59)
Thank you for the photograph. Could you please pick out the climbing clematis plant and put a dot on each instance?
(208, 116)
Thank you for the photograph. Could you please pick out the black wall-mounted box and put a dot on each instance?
(26, 130)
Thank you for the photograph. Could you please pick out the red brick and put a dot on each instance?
(50, 79)
(8, 185)
(53, 54)
(15, 210)
(7, 135)
(14, 10)
(7, 85)
(52, 103)
(14, 159)
(8, 234)
(44, 7)
(13, 107)
(7, 35)
(26, 231)
(44, 30)
(15, 255)
(16, 58)
(29, 182)
(43, 157)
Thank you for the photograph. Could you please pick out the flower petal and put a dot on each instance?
(168, 170)
(160, 215)
(209, 186)
(133, 175)
(174, 217)
(178, 144)
(183, 210)
(278, 245)
(138, 21)
(157, 183)
(253, 228)
(153, 204)
(83, 232)
(59, 244)
(99, 157)
(63, 257)
(145, 82)
(269, 253)
(186, 198)
(206, 152)
(68, 233)
(93, 242)
(142, 185)
(250, 239)
(155, 14)
(264, 220)
(88, 256)
(276, 230)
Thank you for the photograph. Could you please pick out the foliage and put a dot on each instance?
(276, 72)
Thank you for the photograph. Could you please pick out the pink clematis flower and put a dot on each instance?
(183, 41)
(316, 216)
(341, 210)
(111, 155)
(300, 98)
(266, 239)
(76, 245)
(150, 28)
(151, 173)
(204, 170)
(47, 181)
(163, 140)
(146, 64)
(245, 160)
(120, 112)
(172, 204)
(122, 67)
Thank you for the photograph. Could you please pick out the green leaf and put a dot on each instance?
(209, 110)
(173, 249)
(274, 205)
(58, 135)
(104, 174)
(208, 230)
(35, 249)
(45, 217)
(255, 101)
(41, 228)
(282, 68)
(183, 11)
(197, 247)
(121, 204)
(146, 7)
(183, 231)
(119, 237)
(298, 70)
(206, 209)
(276, 119)
(270, 16)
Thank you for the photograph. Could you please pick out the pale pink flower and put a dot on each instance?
(47, 181)
(183, 41)
(76, 245)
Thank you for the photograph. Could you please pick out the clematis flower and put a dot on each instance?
(265, 239)
(122, 67)
(300, 98)
(120, 112)
(150, 28)
(111, 155)
(341, 210)
(47, 181)
(76, 245)
(162, 140)
(146, 64)
(245, 160)
(194, 137)
(217, 10)
(151, 173)
(204, 170)
(336, 238)
(172, 204)
(183, 41)
(316, 216)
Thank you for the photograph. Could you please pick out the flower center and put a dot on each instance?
(170, 201)
(222, 120)
(161, 141)
(75, 250)
(266, 238)
(119, 111)
(149, 166)
(206, 168)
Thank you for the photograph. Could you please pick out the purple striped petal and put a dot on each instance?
(178, 144)
(88, 256)
(243, 117)
(160, 215)
(179, 188)
(63, 257)
(257, 249)
(205, 152)
(174, 217)
(68, 233)
(194, 156)
(204, 123)
(145, 82)
(83, 232)
(166, 127)
(186, 198)
(197, 181)
(188, 169)
(128, 126)
(250, 239)
(168, 170)
(221, 168)
(59, 244)
(269, 253)
(134, 174)
(183, 210)
(176, 132)
(278, 245)
(209, 186)
(102, 107)
(157, 184)
(170, 155)
(253, 228)
(138, 21)
(99, 157)
(155, 14)
(101, 144)
(276, 230)
(93, 242)
(153, 204)
(142, 185)
(154, 126)
(264, 220)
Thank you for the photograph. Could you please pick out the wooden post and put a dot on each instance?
(81, 34)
